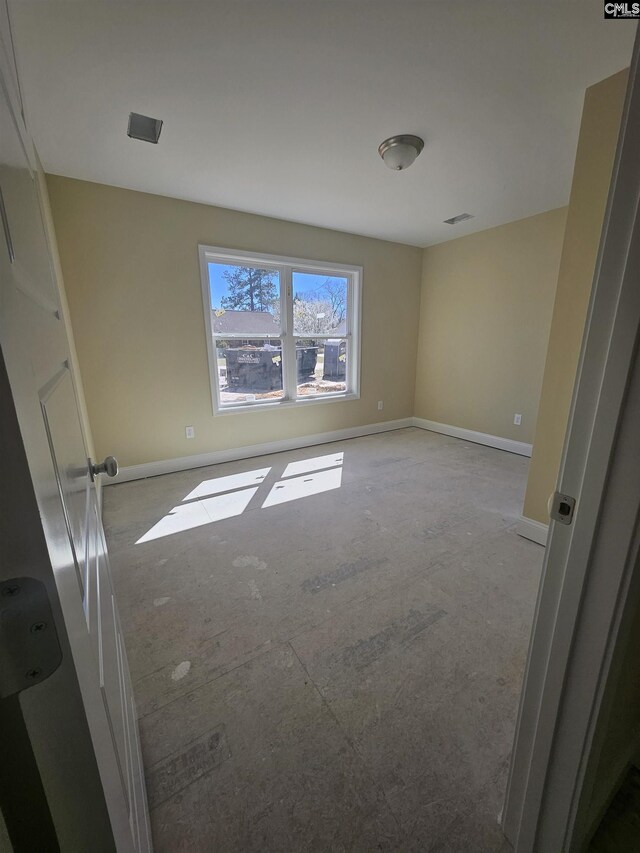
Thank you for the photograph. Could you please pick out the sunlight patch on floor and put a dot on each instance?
(303, 487)
(306, 466)
(232, 495)
(228, 484)
(198, 513)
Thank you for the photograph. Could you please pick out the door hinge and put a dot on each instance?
(29, 648)
(562, 508)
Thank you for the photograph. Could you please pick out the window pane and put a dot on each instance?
(319, 304)
(244, 300)
(321, 366)
(249, 372)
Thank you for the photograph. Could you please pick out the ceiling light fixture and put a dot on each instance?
(399, 152)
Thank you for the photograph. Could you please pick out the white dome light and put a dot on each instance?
(399, 152)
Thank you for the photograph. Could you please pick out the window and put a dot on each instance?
(280, 331)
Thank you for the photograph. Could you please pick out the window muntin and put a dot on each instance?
(280, 330)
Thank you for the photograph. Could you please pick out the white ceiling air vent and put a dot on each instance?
(145, 128)
(459, 218)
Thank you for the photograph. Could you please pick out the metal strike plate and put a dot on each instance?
(29, 646)
(562, 508)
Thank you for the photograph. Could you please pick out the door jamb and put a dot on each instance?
(589, 566)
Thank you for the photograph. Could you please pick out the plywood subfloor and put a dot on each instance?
(337, 666)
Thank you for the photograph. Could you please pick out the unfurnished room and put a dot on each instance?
(319, 343)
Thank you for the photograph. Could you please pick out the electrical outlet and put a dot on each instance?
(190, 432)
(380, 405)
(517, 419)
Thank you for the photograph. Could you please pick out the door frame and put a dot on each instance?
(65, 717)
(591, 570)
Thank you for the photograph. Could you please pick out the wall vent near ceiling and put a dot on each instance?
(459, 218)
(145, 128)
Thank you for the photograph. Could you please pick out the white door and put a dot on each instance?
(35, 348)
(591, 571)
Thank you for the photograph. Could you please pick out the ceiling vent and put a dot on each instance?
(461, 217)
(145, 128)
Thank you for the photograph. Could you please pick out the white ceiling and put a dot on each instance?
(278, 107)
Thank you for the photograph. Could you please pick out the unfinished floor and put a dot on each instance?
(334, 671)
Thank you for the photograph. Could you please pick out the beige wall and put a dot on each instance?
(592, 174)
(130, 263)
(486, 307)
(64, 307)
(484, 304)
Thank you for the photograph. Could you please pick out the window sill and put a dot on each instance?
(284, 404)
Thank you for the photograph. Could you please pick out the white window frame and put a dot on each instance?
(285, 266)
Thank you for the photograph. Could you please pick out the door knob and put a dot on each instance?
(108, 467)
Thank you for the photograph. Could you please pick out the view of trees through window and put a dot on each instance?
(250, 289)
(248, 328)
(319, 305)
(319, 302)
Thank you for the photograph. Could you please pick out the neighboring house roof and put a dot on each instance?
(253, 324)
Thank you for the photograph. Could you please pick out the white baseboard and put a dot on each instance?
(508, 444)
(184, 463)
(201, 460)
(534, 530)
